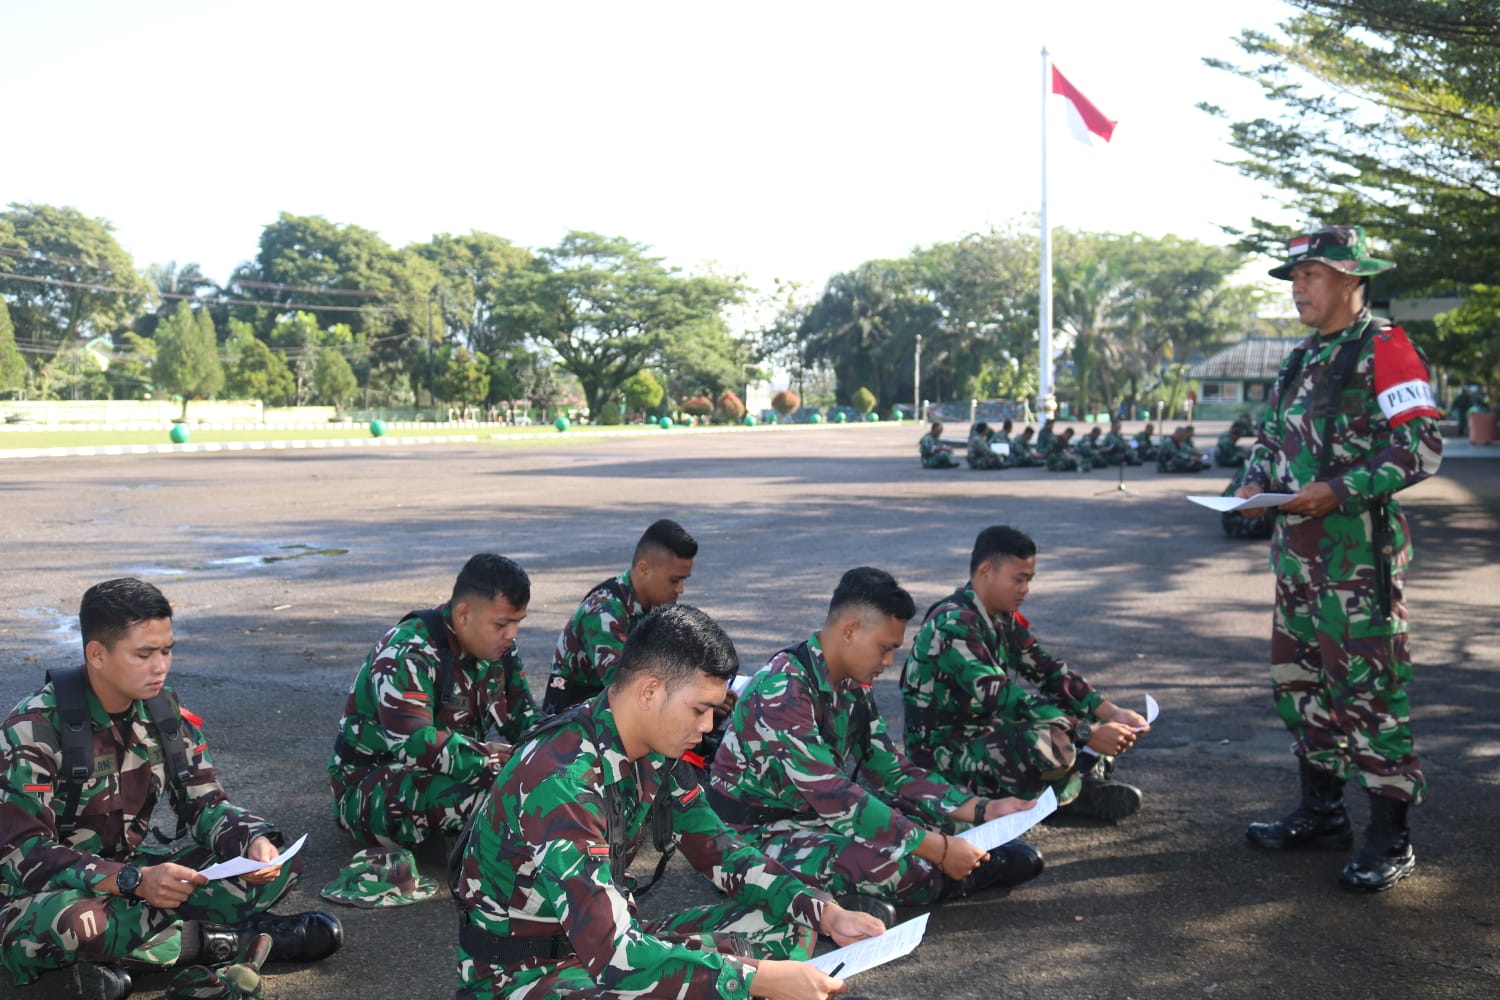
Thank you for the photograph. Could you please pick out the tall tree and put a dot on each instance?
(333, 379)
(66, 277)
(605, 307)
(465, 379)
(473, 269)
(1390, 118)
(12, 365)
(187, 356)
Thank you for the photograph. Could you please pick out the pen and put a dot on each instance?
(836, 970)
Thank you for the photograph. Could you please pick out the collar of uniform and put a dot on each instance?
(614, 765)
(461, 656)
(820, 670)
(97, 715)
(991, 620)
(1350, 332)
(631, 600)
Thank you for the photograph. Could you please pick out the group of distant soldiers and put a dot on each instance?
(1062, 451)
(784, 788)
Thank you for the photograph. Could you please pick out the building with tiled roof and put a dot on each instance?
(1243, 372)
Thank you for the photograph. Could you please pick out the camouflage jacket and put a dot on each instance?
(789, 745)
(395, 715)
(1373, 455)
(114, 808)
(540, 857)
(1112, 444)
(591, 643)
(961, 681)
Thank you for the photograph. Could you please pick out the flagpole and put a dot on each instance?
(1046, 402)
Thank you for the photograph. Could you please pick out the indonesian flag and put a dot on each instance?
(1087, 122)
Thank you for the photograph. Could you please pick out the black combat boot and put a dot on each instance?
(1386, 856)
(1319, 821)
(873, 905)
(301, 937)
(1010, 864)
(96, 981)
(1101, 796)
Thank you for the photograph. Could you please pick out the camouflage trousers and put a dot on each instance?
(729, 927)
(1020, 757)
(56, 929)
(397, 806)
(1339, 671)
(839, 864)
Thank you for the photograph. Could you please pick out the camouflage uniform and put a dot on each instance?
(980, 455)
(1115, 450)
(967, 715)
(1174, 457)
(541, 862)
(53, 912)
(591, 643)
(1146, 450)
(1062, 458)
(936, 454)
(790, 740)
(1023, 454)
(1339, 660)
(1228, 454)
(401, 770)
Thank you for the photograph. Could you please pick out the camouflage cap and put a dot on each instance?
(380, 876)
(1340, 247)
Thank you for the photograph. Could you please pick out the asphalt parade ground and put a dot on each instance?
(284, 567)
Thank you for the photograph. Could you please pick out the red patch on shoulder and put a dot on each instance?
(696, 759)
(192, 717)
(1021, 619)
(598, 850)
(39, 788)
(691, 794)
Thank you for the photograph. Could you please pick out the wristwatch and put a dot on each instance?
(1083, 734)
(128, 880)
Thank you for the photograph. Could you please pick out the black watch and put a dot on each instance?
(128, 880)
(1083, 734)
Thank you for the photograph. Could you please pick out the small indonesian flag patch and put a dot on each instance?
(1401, 383)
(598, 850)
(1298, 245)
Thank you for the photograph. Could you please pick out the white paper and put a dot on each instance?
(1011, 825)
(861, 956)
(1225, 504)
(738, 683)
(244, 866)
(1152, 711)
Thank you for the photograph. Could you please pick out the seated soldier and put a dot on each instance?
(1087, 448)
(1145, 445)
(77, 887)
(936, 454)
(969, 718)
(548, 909)
(591, 643)
(781, 775)
(1177, 454)
(1046, 435)
(413, 754)
(1022, 453)
(1115, 450)
(981, 456)
(1062, 458)
(1228, 454)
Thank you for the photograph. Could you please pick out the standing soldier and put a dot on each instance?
(781, 775)
(413, 754)
(594, 638)
(547, 907)
(83, 763)
(968, 716)
(1351, 422)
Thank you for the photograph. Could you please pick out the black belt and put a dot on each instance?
(743, 813)
(504, 950)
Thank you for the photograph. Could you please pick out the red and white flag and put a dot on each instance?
(1088, 123)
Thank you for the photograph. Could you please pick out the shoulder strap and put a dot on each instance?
(77, 735)
(1340, 371)
(437, 634)
(859, 724)
(166, 716)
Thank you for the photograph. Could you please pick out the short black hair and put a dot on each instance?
(676, 642)
(1007, 425)
(981, 428)
(665, 536)
(868, 587)
(110, 609)
(1000, 541)
(488, 576)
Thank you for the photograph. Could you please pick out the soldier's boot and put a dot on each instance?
(873, 905)
(97, 981)
(300, 937)
(1320, 820)
(1386, 857)
(1101, 797)
(1010, 865)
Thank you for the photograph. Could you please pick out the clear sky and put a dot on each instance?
(775, 140)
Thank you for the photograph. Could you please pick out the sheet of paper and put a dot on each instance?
(1225, 504)
(1010, 826)
(862, 956)
(244, 866)
(1152, 711)
(738, 684)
